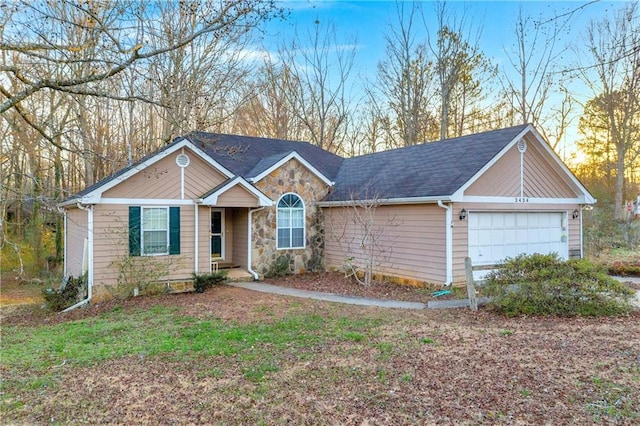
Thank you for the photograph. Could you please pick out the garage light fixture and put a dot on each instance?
(463, 214)
(576, 214)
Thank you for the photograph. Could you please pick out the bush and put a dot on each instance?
(201, 282)
(279, 268)
(60, 299)
(625, 269)
(546, 285)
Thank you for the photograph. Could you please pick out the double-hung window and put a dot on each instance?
(290, 220)
(154, 230)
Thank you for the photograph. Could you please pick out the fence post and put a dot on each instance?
(471, 289)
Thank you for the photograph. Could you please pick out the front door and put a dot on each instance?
(217, 234)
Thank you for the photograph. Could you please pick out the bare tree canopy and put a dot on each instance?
(73, 46)
(614, 111)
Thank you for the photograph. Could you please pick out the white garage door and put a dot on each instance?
(497, 235)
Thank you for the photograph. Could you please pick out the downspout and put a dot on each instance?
(195, 250)
(64, 254)
(89, 211)
(249, 234)
(449, 242)
(580, 231)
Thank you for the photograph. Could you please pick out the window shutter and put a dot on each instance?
(174, 230)
(134, 230)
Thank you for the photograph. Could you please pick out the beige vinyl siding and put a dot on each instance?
(237, 197)
(163, 179)
(240, 236)
(460, 228)
(541, 179)
(200, 177)
(228, 236)
(412, 246)
(502, 179)
(77, 231)
(111, 234)
(204, 239)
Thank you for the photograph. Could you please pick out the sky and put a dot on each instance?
(367, 21)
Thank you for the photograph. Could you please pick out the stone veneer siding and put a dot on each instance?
(296, 178)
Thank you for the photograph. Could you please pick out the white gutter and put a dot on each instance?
(89, 211)
(410, 200)
(449, 242)
(249, 234)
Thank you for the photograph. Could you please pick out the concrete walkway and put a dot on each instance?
(329, 297)
(364, 301)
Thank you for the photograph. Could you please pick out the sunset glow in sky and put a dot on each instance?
(494, 21)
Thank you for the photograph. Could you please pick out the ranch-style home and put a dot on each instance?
(207, 201)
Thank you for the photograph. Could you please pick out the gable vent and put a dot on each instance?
(182, 160)
(522, 145)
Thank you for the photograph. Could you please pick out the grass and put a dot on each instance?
(159, 331)
(314, 364)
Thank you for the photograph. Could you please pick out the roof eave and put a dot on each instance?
(387, 201)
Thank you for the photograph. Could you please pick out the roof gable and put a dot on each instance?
(211, 197)
(561, 171)
(440, 170)
(93, 193)
(251, 157)
(434, 169)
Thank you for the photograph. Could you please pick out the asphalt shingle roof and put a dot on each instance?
(248, 156)
(426, 170)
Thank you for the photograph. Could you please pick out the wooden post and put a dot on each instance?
(471, 289)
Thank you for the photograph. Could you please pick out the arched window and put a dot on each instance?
(290, 222)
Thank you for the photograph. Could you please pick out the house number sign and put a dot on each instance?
(522, 199)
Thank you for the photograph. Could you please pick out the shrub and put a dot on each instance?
(625, 269)
(201, 282)
(279, 268)
(545, 285)
(60, 299)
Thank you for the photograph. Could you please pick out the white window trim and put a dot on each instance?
(142, 245)
(304, 224)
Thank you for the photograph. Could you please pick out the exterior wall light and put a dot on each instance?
(463, 214)
(576, 214)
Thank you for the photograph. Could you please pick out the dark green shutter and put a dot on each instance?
(174, 230)
(134, 230)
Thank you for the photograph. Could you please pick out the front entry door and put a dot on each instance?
(217, 234)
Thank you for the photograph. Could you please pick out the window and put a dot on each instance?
(154, 230)
(290, 222)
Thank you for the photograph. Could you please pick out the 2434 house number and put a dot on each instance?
(522, 200)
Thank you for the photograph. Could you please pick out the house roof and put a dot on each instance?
(249, 156)
(434, 169)
(430, 171)
(244, 156)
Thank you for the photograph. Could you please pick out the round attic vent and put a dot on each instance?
(182, 160)
(522, 145)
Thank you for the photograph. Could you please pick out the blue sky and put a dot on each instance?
(368, 20)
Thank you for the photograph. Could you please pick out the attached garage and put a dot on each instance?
(487, 196)
(494, 236)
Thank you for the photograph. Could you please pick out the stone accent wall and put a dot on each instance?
(296, 178)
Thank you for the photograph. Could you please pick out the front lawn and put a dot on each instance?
(231, 356)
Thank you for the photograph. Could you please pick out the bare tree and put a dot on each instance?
(457, 59)
(614, 45)
(533, 60)
(319, 78)
(363, 232)
(117, 34)
(403, 91)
